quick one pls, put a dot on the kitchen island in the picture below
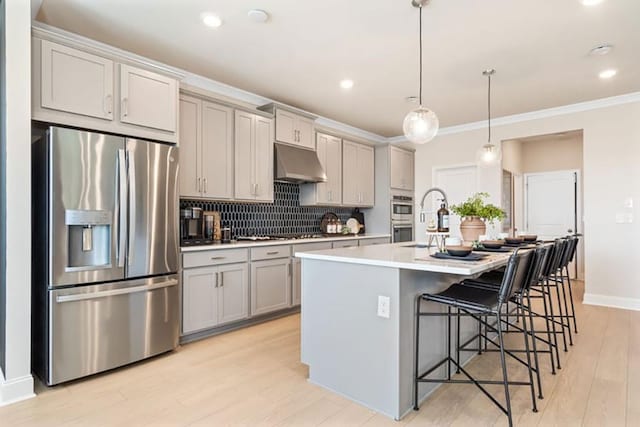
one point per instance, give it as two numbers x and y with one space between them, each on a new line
351 345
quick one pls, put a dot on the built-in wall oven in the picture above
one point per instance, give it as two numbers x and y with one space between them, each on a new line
401 218
401 231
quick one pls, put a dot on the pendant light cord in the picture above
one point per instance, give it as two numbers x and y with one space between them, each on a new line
489 107
420 56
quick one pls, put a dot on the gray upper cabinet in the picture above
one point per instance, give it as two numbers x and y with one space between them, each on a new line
358 185
206 149
294 129
76 82
85 87
401 168
253 157
329 150
148 99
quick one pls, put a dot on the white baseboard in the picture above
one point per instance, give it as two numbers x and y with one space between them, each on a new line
15 390
615 302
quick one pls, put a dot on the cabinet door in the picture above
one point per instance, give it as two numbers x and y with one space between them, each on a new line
333 168
296 287
200 299
76 82
270 285
190 147
233 293
322 188
366 175
217 151
396 160
263 157
351 243
409 170
244 164
350 181
304 126
285 127
147 99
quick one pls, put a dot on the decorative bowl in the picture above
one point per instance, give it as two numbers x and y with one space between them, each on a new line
458 250
529 237
513 240
492 244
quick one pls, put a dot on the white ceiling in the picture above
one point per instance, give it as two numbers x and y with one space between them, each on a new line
539 48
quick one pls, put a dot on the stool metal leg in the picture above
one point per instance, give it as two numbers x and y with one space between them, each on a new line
416 353
548 325
553 323
573 310
458 341
449 343
525 334
566 308
535 348
505 378
561 315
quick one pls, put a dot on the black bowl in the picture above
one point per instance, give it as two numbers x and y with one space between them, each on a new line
513 240
492 244
529 237
459 250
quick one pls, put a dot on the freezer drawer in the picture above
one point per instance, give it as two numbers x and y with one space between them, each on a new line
96 328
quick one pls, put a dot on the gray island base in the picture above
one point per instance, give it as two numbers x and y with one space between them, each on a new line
351 349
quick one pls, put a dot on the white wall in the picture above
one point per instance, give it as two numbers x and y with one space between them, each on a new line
611 154
16 383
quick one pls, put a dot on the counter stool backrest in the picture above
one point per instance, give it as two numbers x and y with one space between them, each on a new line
516 273
555 258
571 250
541 258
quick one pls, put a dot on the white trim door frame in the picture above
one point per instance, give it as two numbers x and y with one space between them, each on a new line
577 269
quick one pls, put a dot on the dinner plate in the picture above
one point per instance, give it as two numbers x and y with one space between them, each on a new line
354 225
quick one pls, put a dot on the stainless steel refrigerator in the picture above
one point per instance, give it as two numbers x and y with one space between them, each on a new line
105 251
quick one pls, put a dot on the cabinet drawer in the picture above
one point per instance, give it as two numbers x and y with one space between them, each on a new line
215 257
307 247
270 252
376 241
351 243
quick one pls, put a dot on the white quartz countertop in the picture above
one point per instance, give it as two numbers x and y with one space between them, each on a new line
406 256
255 244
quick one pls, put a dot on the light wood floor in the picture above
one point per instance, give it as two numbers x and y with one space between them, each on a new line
254 377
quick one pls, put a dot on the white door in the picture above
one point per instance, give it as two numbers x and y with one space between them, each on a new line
459 183
551 205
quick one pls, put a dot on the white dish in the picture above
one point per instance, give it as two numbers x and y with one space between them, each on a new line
354 225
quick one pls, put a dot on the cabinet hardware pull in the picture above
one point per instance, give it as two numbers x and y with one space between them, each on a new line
256 191
221 278
273 253
213 258
108 100
199 185
205 184
290 272
217 279
125 107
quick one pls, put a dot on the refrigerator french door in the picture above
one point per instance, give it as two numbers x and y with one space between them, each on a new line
105 265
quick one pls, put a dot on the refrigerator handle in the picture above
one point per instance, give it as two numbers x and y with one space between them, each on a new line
132 210
121 206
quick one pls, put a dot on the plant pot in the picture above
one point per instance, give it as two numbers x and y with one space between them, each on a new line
471 228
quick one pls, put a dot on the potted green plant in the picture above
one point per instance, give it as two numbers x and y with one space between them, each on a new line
474 213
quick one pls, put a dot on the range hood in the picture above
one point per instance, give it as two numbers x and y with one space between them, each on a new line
297 165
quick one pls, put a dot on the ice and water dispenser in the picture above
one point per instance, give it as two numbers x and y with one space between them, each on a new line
89 234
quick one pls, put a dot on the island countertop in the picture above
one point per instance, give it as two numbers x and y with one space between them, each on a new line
407 256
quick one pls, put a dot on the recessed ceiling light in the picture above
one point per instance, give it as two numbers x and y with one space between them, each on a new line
601 50
258 15
211 20
412 99
346 84
591 2
607 74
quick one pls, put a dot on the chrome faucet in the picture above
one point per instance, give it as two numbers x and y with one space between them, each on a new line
429 191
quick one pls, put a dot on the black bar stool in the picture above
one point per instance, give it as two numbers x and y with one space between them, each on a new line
477 302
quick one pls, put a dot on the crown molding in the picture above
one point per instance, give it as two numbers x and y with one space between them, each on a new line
546 113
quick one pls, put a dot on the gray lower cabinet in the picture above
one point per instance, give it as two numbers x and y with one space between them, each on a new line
213 296
296 288
374 241
270 285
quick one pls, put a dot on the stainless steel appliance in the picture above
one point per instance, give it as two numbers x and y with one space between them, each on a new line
192 230
401 231
105 251
401 208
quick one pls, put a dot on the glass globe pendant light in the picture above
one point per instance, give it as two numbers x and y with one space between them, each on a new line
420 125
489 154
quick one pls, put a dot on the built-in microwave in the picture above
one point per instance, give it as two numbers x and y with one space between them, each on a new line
401 208
401 231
